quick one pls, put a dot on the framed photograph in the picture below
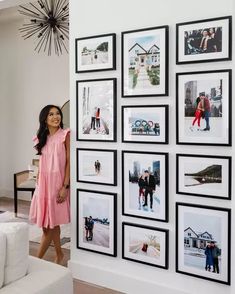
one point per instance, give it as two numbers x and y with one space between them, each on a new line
145 185
203 108
146 245
145 62
97 166
204 40
95 53
97 221
203 242
203 175
96 110
145 124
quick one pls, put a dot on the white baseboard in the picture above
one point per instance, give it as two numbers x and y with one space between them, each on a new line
117 281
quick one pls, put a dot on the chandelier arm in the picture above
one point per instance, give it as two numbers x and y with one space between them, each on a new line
55 45
41 41
59 42
52 7
63 33
62 41
27 29
46 5
64 15
57 6
31 33
41 11
31 15
65 29
63 5
49 47
42 5
47 39
60 5
33 12
28 25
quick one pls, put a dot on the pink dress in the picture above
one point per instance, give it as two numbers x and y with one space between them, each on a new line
44 210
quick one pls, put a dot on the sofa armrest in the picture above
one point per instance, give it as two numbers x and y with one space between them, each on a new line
43 277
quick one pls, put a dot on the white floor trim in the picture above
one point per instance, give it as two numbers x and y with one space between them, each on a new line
116 281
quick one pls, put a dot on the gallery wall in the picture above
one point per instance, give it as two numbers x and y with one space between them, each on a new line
115 17
28 81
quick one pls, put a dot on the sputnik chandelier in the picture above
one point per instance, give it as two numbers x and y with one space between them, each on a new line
49 23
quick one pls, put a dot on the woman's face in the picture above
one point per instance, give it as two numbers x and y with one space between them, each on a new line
53 118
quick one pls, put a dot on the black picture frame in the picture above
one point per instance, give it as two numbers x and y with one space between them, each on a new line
208 138
105 135
186 264
164 263
81 242
192 38
161 32
110 39
223 172
111 162
162 120
136 162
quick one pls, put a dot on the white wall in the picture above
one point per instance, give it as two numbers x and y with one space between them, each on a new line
105 16
28 81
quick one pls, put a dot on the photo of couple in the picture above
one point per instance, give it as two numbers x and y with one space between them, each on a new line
201 250
147 186
96 221
205 40
96 166
203 241
203 113
144 184
206 108
96 107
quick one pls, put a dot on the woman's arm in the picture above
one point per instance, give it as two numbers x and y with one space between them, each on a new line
63 191
67 167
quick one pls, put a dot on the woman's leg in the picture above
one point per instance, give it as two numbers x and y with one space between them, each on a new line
45 242
56 240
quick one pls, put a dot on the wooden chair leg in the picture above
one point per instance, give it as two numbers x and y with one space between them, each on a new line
15 197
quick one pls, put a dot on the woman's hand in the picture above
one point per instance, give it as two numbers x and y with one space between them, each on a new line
62 195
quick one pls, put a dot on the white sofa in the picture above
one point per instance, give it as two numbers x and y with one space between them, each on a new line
24 274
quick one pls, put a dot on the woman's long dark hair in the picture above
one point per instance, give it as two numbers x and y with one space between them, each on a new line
43 131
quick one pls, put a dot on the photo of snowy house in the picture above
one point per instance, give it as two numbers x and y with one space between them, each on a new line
194 240
142 57
145 62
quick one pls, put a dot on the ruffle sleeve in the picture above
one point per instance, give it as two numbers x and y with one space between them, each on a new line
35 140
65 133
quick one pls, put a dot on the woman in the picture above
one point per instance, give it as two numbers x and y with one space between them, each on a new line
198 114
50 205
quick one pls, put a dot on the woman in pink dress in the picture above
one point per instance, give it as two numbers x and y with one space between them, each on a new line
50 205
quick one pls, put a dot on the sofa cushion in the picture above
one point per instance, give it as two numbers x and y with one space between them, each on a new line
2 256
17 250
43 278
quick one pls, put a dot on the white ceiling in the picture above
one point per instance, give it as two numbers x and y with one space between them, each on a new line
11 3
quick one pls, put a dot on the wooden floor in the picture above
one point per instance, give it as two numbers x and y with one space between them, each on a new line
80 287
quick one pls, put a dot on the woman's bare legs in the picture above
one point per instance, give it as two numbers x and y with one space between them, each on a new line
45 242
56 240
